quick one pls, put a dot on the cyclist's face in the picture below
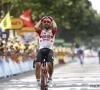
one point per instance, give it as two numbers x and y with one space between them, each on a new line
47 23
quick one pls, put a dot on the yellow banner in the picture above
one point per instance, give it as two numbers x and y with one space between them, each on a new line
6 22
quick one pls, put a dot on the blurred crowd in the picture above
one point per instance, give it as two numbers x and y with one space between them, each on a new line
19 49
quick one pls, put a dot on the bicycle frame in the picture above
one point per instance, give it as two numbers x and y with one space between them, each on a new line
44 76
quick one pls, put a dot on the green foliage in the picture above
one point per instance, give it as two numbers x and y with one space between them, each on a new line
75 18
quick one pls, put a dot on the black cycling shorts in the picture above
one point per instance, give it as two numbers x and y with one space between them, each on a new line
45 53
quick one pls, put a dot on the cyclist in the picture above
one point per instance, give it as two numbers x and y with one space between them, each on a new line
80 53
99 56
46 41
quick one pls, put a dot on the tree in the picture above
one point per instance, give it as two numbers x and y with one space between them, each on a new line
76 19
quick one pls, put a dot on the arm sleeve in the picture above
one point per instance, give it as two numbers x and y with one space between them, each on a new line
54 31
39 31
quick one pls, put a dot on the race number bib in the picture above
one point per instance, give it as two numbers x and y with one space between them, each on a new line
4 35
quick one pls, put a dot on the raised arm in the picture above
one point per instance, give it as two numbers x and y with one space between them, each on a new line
38 24
53 23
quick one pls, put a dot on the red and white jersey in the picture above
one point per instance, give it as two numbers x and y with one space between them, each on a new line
46 38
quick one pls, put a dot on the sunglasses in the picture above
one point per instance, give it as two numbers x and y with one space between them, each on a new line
47 21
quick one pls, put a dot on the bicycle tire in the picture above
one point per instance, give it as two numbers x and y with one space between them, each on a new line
44 81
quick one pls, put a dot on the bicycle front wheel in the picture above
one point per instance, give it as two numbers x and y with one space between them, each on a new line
44 81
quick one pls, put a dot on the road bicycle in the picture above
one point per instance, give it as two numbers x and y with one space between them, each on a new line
44 75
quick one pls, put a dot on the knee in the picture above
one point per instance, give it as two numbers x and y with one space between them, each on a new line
38 64
50 65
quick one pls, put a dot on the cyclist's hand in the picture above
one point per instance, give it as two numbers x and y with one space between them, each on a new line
42 19
51 18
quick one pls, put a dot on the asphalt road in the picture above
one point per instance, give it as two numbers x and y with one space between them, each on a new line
70 76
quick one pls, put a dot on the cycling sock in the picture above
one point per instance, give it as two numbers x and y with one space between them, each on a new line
38 81
50 77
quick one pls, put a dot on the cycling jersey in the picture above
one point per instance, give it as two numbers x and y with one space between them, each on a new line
46 38
80 52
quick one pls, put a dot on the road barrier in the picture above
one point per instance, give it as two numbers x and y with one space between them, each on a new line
10 68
